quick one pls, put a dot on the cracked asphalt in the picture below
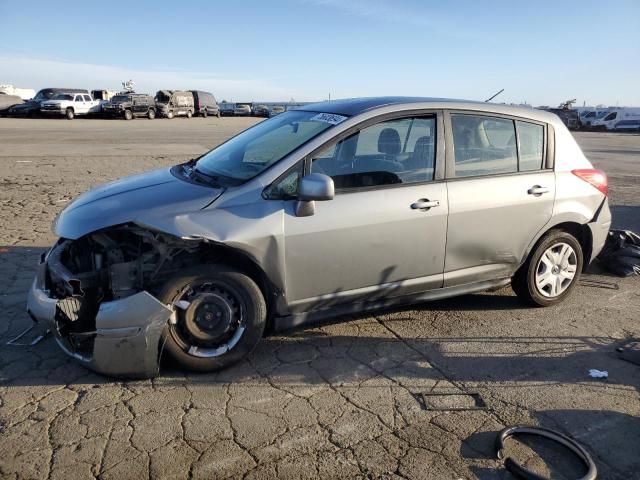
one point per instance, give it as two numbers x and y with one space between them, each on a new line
342 400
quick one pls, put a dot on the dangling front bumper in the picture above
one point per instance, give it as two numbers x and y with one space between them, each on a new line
127 335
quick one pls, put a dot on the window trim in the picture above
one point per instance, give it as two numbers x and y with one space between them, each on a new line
439 167
548 144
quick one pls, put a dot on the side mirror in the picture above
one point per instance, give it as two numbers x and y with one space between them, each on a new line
315 186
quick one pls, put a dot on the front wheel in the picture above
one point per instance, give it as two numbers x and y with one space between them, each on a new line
151 114
69 114
551 271
128 114
189 114
204 113
219 317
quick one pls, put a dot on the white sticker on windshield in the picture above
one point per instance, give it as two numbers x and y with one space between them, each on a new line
331 118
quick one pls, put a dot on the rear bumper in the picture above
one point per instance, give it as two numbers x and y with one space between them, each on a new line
127 331
599 226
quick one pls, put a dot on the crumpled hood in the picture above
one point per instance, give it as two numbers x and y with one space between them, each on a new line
140 199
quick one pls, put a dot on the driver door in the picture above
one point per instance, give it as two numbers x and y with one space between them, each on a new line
384 233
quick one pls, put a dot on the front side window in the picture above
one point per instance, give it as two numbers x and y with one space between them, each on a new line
396 151
256 149
611 116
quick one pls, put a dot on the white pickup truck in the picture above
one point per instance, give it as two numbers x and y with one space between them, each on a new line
70 105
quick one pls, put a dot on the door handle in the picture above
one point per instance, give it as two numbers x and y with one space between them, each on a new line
537 190
425 204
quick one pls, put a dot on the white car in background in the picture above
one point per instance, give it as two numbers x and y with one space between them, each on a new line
70 105
242 110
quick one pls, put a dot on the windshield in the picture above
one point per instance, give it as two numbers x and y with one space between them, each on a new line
119 99
162 98
63 96
254 150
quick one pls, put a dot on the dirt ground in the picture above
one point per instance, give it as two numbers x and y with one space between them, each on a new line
337 401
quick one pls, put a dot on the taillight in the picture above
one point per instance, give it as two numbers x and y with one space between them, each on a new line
595 177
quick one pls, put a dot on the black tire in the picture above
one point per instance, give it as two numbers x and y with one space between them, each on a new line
170 114
189 114
151 114
245 296
128 114
204 113
69 114
524 280
218 114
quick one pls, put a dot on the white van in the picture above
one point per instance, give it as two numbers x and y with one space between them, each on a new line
615 115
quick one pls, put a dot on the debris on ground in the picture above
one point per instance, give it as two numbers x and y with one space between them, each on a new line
593 373
520 472
621 253
630 351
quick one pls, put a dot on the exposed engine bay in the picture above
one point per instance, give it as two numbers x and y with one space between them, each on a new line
106 266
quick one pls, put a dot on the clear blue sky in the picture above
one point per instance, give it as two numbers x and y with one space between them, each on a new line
541 52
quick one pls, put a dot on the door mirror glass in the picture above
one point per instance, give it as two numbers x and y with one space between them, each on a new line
316 186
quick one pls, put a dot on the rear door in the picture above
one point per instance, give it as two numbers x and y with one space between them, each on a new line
501 193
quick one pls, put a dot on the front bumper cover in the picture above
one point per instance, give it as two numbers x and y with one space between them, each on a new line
127 334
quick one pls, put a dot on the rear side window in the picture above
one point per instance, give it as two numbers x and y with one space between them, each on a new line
531 143
87 98
483 145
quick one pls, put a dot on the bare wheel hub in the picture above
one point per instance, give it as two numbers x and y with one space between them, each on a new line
208 319
209 316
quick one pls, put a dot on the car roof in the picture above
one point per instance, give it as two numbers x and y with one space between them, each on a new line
356 106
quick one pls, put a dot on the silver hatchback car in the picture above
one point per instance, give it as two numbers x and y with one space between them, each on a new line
334 208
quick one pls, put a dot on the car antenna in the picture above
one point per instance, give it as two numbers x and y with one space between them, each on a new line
494 96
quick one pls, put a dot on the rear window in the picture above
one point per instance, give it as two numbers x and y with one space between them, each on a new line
490 145
531 144
483 145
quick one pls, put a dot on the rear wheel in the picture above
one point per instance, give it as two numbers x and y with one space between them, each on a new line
128 114
69 114
204 113
551 271
218 114
170 114
219 317
189 114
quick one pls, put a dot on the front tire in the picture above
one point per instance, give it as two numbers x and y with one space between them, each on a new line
151 114
220 316
552 270
128 115
69 114
170 114
189 114
205 113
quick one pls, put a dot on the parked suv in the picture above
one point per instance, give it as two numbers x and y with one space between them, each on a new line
129 105
204 103
334 208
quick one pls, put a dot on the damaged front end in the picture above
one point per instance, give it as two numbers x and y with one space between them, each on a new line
96 294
